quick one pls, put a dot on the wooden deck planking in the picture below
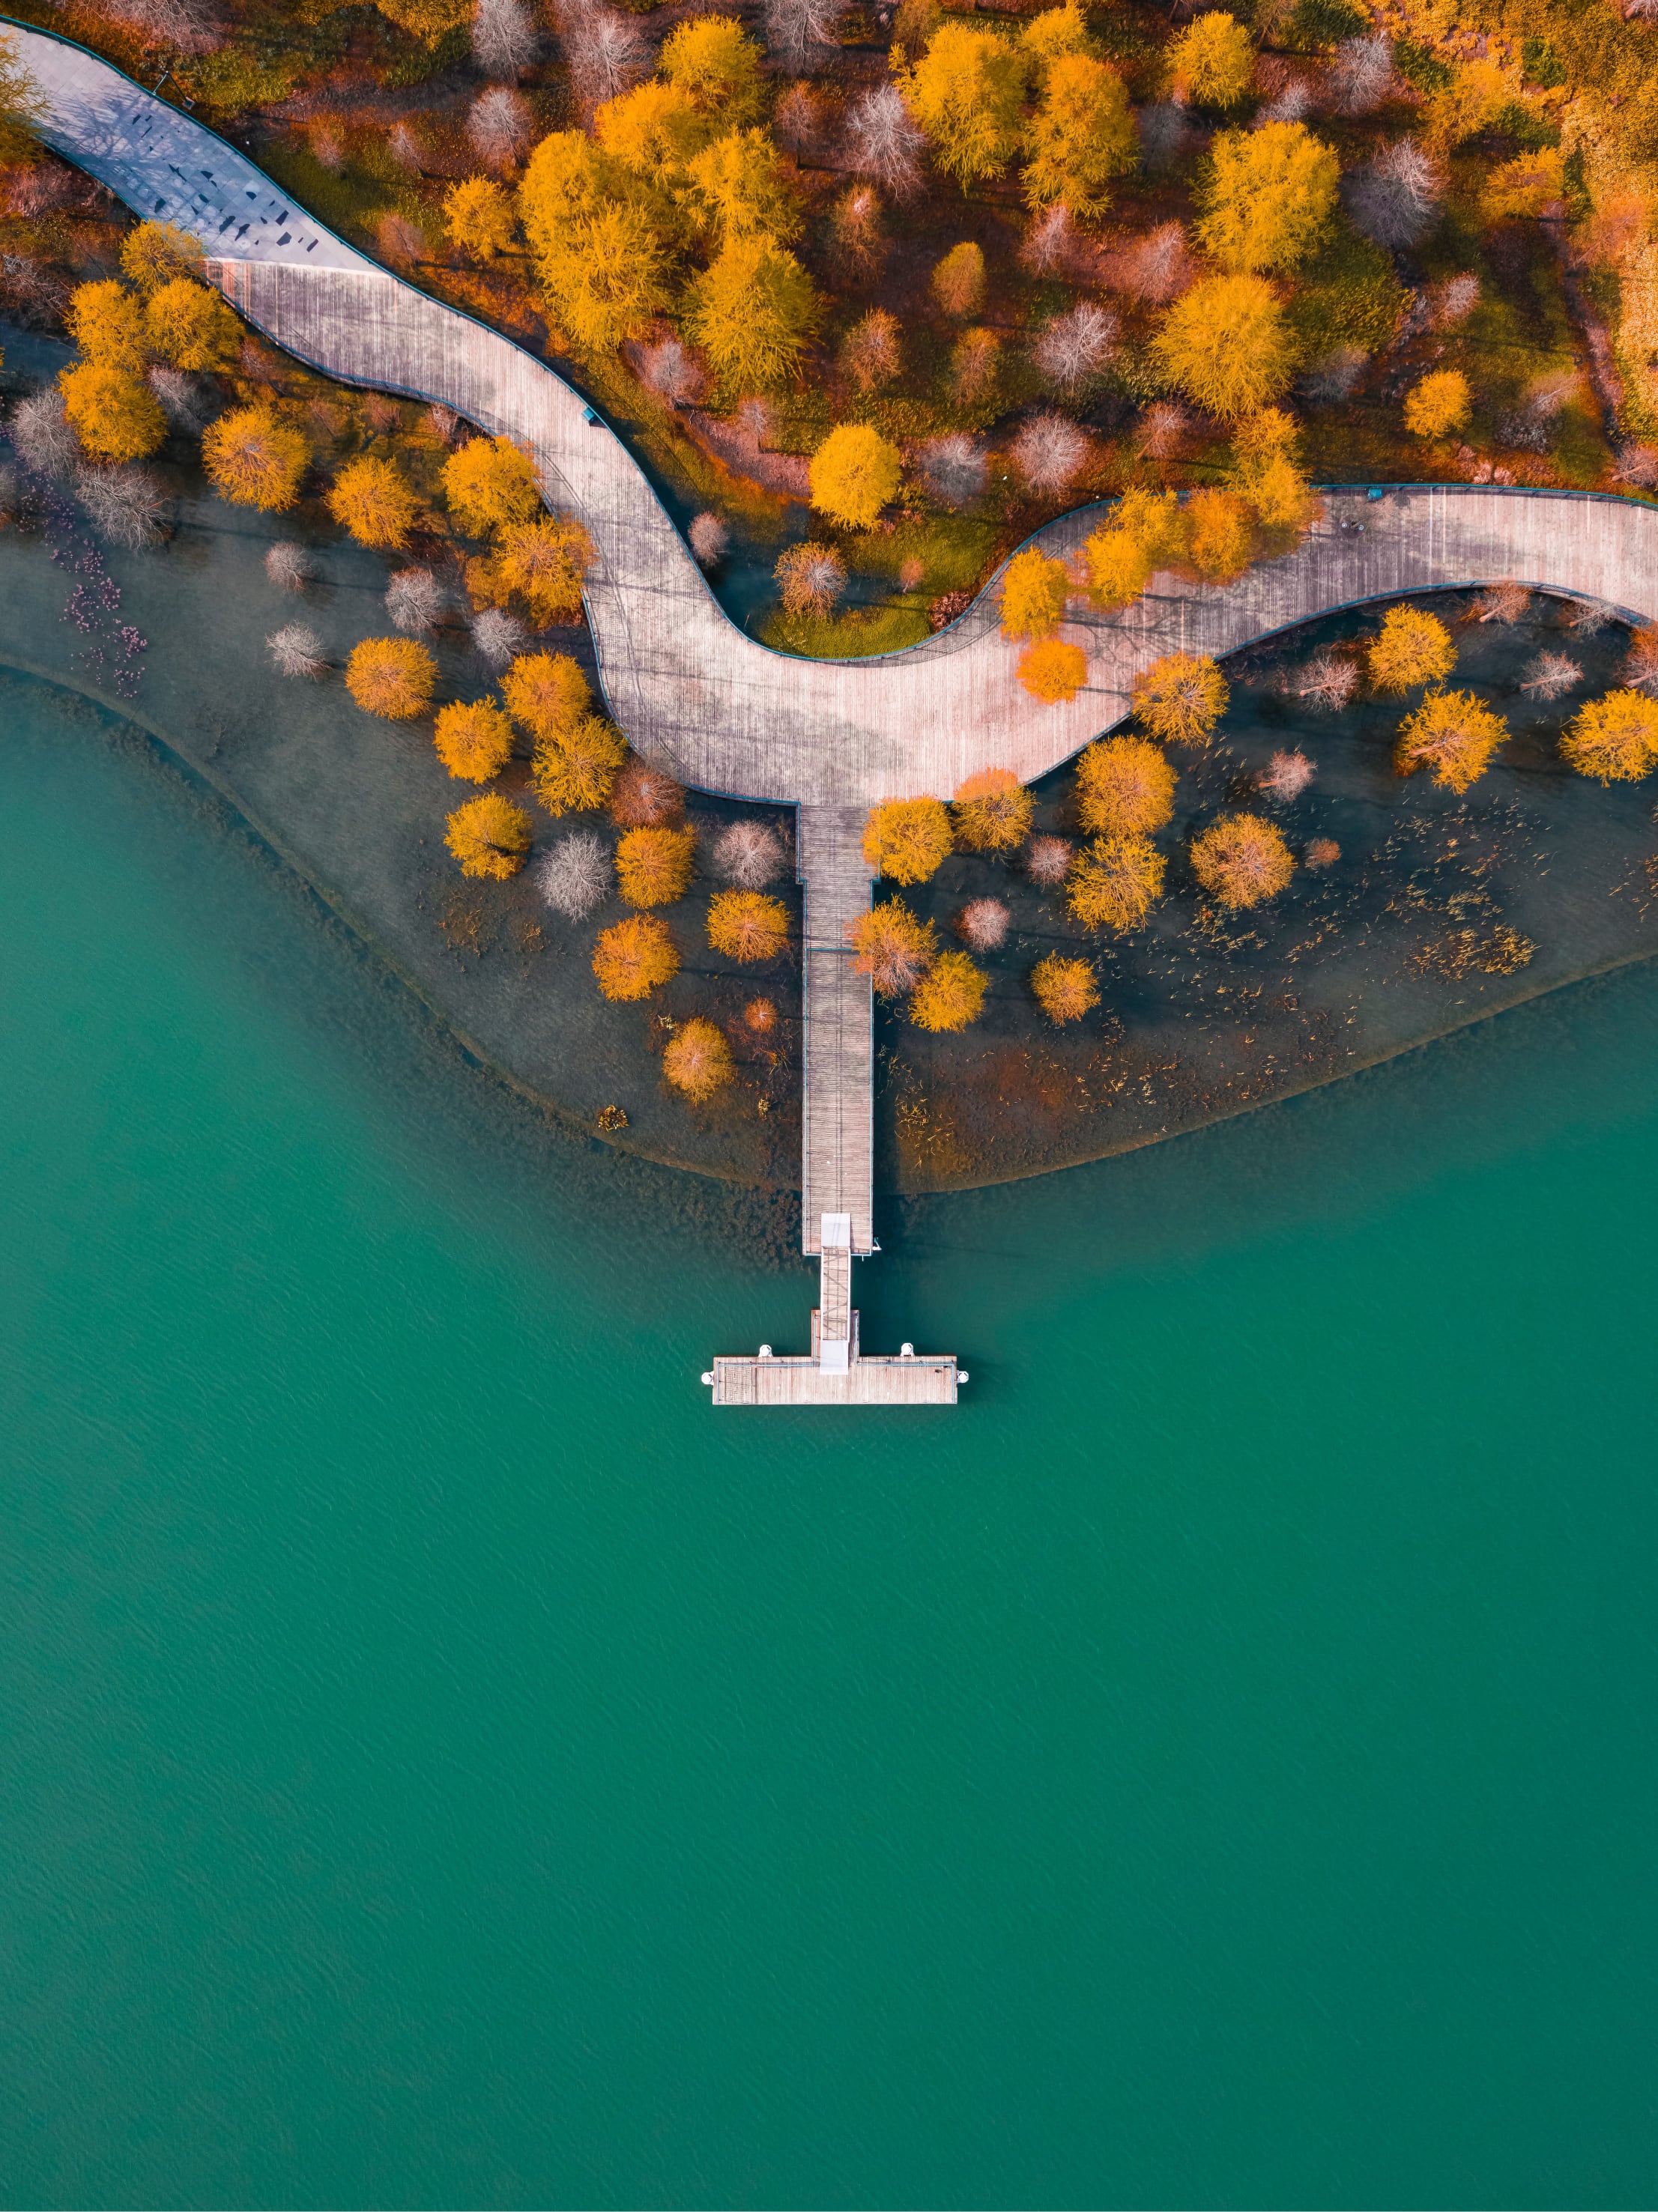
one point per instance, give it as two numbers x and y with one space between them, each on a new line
930 1381
837 1143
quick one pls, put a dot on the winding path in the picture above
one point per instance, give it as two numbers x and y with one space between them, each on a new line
696 694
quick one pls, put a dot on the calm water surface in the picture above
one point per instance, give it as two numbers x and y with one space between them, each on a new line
444 1763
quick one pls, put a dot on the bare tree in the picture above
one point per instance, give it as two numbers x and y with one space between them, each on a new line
673 373
505 40
1329 680
1640 671
1154 269
1047 861
1551 675
123 505
858 238
1288 99
1507 602
606 52
1165 133
1453 299
1637 464
1394 199
869 353
573 875
756 418
1050 243
798 31
750 854
1164 428
399 238
184 397
500 127
709 540
1332 380
442 422
498 638
982 924
1588 618
1075 346
185 27
1322 853
885 142
1286 775
811 578
1050 453
41 434
415 601
296 650
1362 74
289 567
954 469
798 121
404 147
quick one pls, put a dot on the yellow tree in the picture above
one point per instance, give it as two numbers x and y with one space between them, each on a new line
1221 533
1529 186
754 310
1226 343
1116 567
1081 135
1453 736
740 185
544 562
547 692
992 813
1034 590
1213 62
1055 32
635 957
107 324
489 836
709 57
1115 882
254 460
489 482
157 253
1180 697
968 93
949 995
893 947
111 412
477 218
654 130
1124 787
748 925
22 108
574 771
1413 647
853 472
697 1060
957 279
1440 404
606 275
1242 860
1052 670
653 866
390 676
1156 522
1064 988
562 185
1614 739
371 499
907 839
1268 196
474 740
192 326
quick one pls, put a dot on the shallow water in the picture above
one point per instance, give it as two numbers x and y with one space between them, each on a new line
448 1764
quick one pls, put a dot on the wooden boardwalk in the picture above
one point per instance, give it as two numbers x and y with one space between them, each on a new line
694 692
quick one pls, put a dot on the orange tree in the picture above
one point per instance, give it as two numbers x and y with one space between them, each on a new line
992 813
958 280
1116 567
1441 403
1242 860
907 839
605 273
489 482
390 676
547 692
1034 590
107 324
489 836
635 957
1226 344
950 994
254 459
653 866
748 925
371 499
544 562
111 412
1114 882
1615 738
1180 697
191 326
709 58
697 1060
473 741
1065 989
853 472
1125 787
574 770
1053 669
893 947
1412 648
1452 735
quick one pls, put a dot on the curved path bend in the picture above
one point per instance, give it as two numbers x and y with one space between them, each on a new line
693 692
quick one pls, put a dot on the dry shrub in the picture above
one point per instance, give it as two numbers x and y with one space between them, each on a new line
573 876
1164 431
489 836
1180 697
870 355
907 839
644 798
992 813
1322 853
858 238
296 650
390 676
1286 775
949 995
415 601
697 1060
983 924
1507 602
547 692
1124 787
125 505
635 957
749 855
709 540
498 638
1114 882
1048 861
574 771
1242 860
473 740
1615 738
1064 988
1052 670
1073 349
958 281
759 1016
1154 269
954 468
892 946
653 866
973 361
748 925
811 578
1550 675
884 140
1329 680
289 567
1452 735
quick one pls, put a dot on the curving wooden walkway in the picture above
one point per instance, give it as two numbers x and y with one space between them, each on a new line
695 693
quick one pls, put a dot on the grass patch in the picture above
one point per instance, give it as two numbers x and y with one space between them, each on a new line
850 637
953 550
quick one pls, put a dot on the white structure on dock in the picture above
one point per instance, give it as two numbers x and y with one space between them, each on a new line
698 696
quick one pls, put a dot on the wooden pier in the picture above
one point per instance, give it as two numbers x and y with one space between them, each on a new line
903 1378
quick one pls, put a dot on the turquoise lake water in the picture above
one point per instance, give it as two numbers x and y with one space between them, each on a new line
446 1764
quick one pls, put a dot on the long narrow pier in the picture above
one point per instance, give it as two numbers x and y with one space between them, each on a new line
695 694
